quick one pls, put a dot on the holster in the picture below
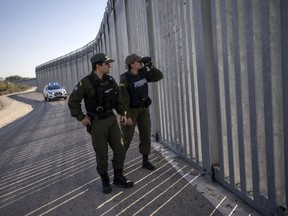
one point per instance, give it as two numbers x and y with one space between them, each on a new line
89 127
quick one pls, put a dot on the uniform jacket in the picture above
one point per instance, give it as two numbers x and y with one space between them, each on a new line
144 76
85 89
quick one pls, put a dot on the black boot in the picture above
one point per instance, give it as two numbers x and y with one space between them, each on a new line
146 164
120 180
106 183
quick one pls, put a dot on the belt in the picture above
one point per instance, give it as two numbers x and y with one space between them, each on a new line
96 116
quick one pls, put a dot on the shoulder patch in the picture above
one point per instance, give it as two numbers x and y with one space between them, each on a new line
80 84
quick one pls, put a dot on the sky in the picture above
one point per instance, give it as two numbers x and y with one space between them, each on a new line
33 32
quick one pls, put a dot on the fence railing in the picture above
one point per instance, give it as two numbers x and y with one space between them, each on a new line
223 102
29 82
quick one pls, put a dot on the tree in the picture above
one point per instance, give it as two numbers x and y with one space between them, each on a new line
14 78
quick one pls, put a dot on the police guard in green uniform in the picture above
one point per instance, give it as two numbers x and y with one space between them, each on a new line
134 94
100 94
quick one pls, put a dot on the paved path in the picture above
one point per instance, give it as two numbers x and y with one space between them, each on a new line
47 167
11 110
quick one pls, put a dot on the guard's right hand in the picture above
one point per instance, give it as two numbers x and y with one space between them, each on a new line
86 121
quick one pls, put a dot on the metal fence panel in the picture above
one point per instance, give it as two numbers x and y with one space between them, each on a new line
179 103
121 34
284 42
28 82
247 56
62 75
137 27
113 46
80 67
86 63
71 82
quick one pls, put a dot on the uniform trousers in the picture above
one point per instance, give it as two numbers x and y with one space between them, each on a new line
141 118
104 132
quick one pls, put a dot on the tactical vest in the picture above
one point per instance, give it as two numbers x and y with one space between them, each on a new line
137 88
105 98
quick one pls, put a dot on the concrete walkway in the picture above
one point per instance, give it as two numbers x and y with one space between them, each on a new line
185 197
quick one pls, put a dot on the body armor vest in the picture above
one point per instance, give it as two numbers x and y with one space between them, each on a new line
137 88
105 97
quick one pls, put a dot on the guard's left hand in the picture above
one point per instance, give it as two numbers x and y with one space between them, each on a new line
123 120
86 121
129 121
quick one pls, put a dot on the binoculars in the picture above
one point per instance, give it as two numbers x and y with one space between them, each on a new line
146 60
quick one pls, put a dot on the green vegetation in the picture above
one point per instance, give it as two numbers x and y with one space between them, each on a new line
15 78
8 88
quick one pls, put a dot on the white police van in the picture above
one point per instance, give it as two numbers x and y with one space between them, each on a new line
53 91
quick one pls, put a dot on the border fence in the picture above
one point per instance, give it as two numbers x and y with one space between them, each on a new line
29 82
223 102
